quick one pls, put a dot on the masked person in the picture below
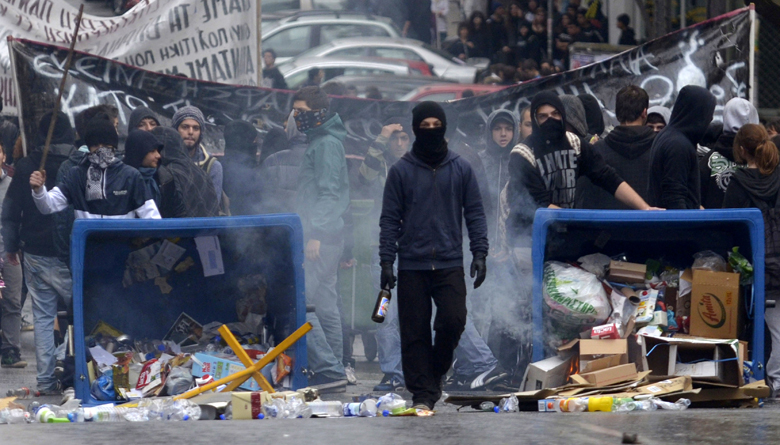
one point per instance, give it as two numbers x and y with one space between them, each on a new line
674 168
142 152
322 201
190 123
427 195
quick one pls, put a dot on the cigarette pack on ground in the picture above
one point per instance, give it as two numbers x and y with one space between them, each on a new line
621 272
247 405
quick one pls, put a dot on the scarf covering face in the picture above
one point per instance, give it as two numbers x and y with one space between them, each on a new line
429 144
148 175
306 120
99 161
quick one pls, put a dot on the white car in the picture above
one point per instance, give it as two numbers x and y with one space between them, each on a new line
302 31
443 64
296 72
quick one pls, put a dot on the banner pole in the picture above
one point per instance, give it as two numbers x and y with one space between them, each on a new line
259 30
65 70
550 29
752 57
18 91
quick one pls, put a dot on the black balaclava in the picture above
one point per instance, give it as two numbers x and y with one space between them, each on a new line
552 130
429 144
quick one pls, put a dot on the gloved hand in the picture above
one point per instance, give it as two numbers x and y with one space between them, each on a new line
387 280
478 268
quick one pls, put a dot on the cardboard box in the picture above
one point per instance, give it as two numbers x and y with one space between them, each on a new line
612 375
662 355
715 306
620 272
247 405
667 386
548 373
219 367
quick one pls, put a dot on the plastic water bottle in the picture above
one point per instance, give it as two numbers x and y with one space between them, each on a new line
679 405
13 416
508 405
175 410
575 405
487 406
363 409
104 413
390 402
327 409
277 409
23 393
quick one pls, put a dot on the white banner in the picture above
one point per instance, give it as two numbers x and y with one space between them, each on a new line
212 40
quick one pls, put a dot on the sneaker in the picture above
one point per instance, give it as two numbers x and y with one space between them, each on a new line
26 325
327 385
351 377
68 395
392 384
422 406
12 359
479 381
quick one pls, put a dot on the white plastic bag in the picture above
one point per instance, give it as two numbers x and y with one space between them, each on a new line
574 297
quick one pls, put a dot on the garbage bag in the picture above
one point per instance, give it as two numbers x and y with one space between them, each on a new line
103 388
709 260
574 298
178 382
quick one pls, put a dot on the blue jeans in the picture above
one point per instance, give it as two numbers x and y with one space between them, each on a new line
325 342
48 281
11 321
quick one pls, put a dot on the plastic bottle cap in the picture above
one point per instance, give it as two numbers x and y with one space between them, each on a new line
385 413
496 409
186 417
71 417
221 417
261 416
161 348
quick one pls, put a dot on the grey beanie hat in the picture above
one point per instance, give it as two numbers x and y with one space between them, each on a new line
188 112
575 114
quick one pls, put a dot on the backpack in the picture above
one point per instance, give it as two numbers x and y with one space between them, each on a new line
224 207
772 247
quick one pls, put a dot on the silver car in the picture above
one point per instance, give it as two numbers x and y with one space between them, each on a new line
444 65
296 71
297 33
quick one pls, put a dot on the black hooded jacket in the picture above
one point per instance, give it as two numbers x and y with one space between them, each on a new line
627 150
674 168
495 161
749 188
716 169
593 115
548 167
139 114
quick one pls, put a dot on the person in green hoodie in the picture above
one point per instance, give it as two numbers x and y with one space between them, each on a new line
322 200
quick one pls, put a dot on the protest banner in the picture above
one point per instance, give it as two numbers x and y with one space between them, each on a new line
204 39
714 54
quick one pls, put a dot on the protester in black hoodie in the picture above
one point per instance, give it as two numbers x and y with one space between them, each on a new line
717 166
240 183
427 195
142 118
758 185
142 152
548 164
674 167
626 149
593 115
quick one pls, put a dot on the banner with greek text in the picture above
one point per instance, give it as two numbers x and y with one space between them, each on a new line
212 40
713 54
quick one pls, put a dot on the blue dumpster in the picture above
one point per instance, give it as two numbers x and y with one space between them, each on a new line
271 245
675 235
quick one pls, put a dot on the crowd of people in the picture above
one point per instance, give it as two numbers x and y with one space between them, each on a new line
557 153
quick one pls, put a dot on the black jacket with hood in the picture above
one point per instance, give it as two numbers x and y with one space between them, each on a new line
139 114
716 169
547 165
674 168
495 161
627 150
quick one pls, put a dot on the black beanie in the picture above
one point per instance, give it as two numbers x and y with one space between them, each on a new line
63 133
100 130
138 144
424 110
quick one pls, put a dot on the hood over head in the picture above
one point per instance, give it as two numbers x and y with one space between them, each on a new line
139 143
575 114
240 138
429 146
502 115
763 187
63 132
538 135
692 112
630 141
139 114
737 113
593 115
661 111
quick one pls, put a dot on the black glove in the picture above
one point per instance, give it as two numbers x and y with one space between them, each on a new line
388 277
478 268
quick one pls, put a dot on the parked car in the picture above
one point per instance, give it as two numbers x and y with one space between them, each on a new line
442 63
442 93
391 87
302 5
299 32
296 72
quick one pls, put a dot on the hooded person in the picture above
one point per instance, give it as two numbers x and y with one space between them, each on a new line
546 167
674 168
626 149
142 152
241 184
193 193
428 194
25 228
717 167
143 118
593 115
190 123
279 172
658 117
502 132
575 116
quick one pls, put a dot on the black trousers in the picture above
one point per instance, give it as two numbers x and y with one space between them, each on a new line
425 362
